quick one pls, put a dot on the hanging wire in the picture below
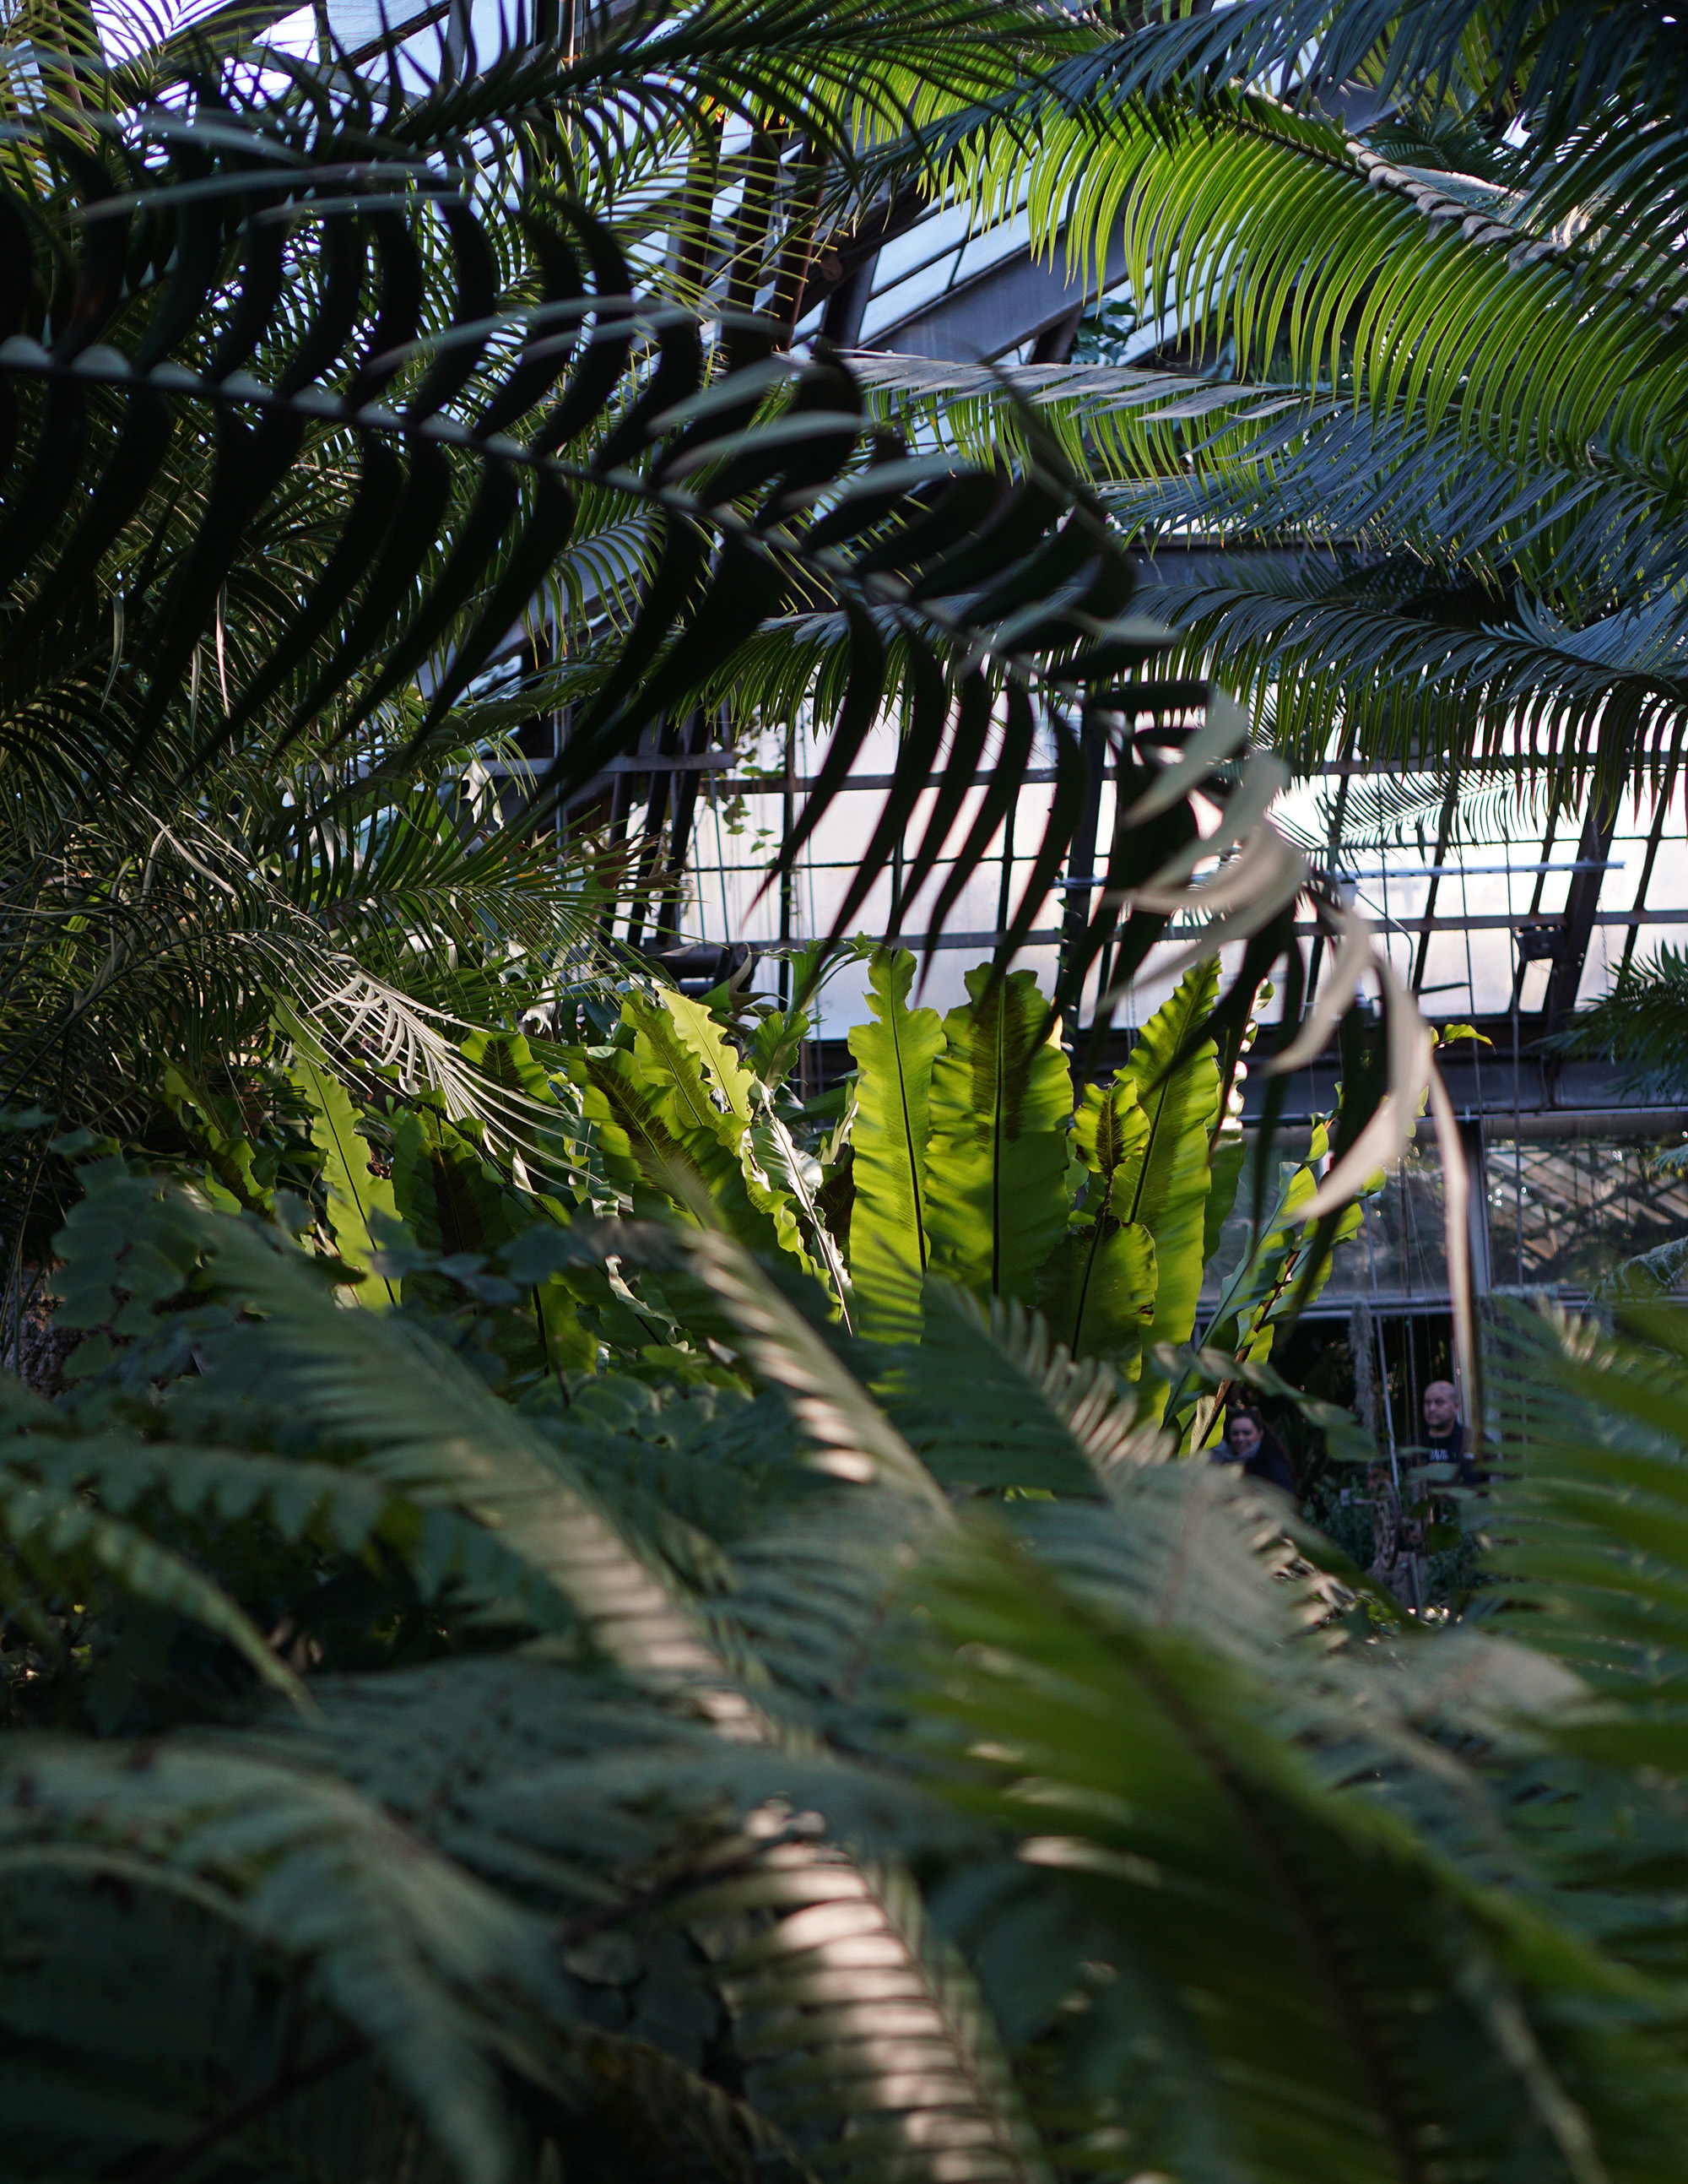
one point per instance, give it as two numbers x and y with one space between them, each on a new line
1518 997
1479 1203
720 867
1383 1356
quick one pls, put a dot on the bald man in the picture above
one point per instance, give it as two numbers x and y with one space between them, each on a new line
1445 1433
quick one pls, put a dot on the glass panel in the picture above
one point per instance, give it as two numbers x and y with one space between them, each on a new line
1567 1214
1398 1256
1401 1252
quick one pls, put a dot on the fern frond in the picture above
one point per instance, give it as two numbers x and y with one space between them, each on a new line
990 1397
1321 1967
851 1434
71 1546
850 2009
1587 1517
404 1950
422 1423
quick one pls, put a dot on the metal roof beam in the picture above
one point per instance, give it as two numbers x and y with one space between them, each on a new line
1655 837
1582 905
1015 301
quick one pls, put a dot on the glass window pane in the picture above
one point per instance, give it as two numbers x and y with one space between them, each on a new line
1566 1215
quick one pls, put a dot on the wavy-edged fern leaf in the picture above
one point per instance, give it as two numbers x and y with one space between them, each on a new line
1164 1185
889 1245
359 1199
996 1159
1098 1286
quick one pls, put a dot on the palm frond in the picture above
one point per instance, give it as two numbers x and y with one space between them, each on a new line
1557 69
1275 227
446 532
1404 574
1641 1023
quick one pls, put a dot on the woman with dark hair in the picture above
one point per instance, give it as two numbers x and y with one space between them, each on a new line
1251 1442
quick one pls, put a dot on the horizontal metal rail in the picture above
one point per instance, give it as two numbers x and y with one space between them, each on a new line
1460 872
1500 921
1045 936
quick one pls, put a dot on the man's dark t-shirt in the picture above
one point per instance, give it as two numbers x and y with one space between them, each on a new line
1451 1450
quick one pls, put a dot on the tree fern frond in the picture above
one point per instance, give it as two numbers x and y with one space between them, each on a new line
398 1399
729 1465
820 1599
848 2006
70 1545
440 1981
405 1950
1181 1546
1588 1518
991 1398
850 1435
1199 1842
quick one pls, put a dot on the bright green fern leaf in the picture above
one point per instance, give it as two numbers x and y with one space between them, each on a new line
1166 1187
889 1243
359 1199
997 1163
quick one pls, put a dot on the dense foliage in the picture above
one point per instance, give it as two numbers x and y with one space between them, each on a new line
574 1614
712 1767
314 389
356 428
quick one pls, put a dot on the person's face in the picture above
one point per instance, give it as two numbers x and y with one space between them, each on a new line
1243 1435
1440 1410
